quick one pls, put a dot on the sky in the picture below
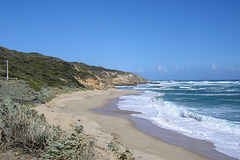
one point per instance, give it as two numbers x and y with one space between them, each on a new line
156 39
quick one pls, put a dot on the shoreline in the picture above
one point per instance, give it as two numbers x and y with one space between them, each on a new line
78 108
201 147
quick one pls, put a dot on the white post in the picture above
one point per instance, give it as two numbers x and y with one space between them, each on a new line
7 69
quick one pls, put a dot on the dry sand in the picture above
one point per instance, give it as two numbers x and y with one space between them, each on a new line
72 109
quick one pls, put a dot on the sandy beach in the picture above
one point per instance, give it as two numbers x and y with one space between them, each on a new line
68 110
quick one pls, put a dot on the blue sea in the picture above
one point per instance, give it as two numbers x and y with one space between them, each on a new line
205 110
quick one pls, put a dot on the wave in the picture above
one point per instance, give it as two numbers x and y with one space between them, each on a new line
188 88
185 87
222 133
200 83
191 115
216 94
159 89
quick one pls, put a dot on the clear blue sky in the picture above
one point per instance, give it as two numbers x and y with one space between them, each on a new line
170 39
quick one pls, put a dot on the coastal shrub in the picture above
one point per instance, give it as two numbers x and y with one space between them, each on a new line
73 146
30 91
23 129
22 90
34 85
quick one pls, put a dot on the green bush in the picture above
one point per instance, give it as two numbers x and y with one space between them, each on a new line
23 90
23 129
34 85
74 146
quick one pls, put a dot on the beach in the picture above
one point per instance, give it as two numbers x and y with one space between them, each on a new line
68 110
79 108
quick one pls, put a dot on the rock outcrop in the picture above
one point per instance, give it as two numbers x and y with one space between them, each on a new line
107 78
91 83
123 79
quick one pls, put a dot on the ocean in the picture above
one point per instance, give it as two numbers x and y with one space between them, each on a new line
205 110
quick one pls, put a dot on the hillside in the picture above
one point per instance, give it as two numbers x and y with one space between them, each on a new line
42 71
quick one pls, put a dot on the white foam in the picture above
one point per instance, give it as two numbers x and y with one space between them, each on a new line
197 83
224 134
184 87
195 94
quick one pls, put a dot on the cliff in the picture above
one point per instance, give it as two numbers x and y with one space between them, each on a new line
107 78
42 71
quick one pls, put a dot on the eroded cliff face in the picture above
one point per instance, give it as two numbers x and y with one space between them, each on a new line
123 79
104 79
91 83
